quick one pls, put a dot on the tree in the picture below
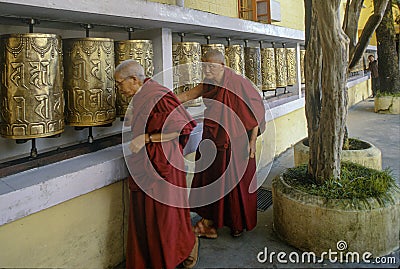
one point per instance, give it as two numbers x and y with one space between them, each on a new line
389 74
331 50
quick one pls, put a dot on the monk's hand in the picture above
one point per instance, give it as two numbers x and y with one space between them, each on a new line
252 149
137 143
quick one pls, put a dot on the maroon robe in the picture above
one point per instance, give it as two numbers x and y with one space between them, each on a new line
159 235
232 166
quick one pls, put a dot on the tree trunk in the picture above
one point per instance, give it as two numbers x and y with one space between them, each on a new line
326 95
350 23
370 26
388 62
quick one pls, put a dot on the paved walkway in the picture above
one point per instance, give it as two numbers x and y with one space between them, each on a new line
227 252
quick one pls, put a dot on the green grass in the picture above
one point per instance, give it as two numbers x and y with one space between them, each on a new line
381 94
356 182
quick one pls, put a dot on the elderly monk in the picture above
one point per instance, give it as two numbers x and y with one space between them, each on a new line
159 235
233 118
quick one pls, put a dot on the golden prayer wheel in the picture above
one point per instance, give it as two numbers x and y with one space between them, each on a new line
252 65
234 56
291 66
302 55
140 51
281 67
31 94
207 47
268 69
186 58
89 81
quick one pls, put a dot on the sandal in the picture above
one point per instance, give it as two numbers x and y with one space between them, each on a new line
202 230
193 258
236 233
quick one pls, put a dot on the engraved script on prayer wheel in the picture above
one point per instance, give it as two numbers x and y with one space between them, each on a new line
302 55
186 57
268 69
31 94
281 67
252 65
89 81
140 51
291 66
234 56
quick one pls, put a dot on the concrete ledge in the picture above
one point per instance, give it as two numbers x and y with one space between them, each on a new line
370 157
387 104
40 188
310 223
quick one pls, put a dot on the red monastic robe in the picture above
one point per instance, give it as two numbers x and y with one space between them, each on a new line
233 168
159 235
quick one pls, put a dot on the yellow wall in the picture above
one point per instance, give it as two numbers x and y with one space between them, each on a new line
359 92
367 12
281 134
227 8
292 14
85 232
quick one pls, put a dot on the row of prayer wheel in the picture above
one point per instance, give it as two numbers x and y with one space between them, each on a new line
267 68
48 82
42 73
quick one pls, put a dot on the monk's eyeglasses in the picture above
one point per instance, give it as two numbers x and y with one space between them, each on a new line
211 66
119 83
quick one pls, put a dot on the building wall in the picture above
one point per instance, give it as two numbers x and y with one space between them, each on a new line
365 14
292 14
227 8
359 92
85 232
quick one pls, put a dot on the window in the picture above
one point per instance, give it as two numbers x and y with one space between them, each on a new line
255 10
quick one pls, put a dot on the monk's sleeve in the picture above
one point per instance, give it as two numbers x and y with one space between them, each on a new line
250 108
170 116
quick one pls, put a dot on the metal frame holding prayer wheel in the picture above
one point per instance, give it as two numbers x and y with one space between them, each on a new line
186 58
252 65
31 94
302 55
142 52
234 55
89 81
281 67
268 69
291 66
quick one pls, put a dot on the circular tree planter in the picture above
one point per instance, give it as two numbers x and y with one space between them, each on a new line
311 223
387 104
369 155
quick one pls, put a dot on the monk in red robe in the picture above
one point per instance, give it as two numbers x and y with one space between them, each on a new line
160 233
223 191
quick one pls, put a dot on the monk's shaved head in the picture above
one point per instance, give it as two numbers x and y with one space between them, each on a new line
214 56
130 68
